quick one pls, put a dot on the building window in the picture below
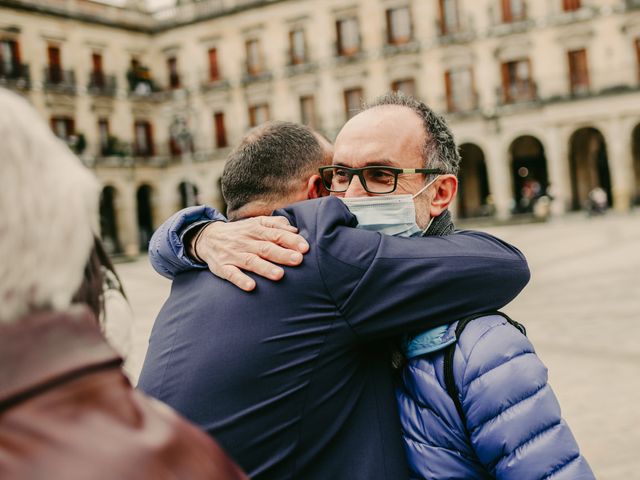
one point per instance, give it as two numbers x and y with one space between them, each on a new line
578 71
103 135
258 114
352 101
254 61
513 10
174 76
143 138
174 146
517 83
571 5
63 127
54 74
638 56
97 75
460 89
449 16
308 111
398 25
9 59
348 36
220 130
297 47
139 78
214 72
407 86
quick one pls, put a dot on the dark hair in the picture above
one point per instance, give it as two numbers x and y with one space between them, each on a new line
91 290
268 163
439 150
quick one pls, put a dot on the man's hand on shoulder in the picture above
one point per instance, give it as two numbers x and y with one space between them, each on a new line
254 245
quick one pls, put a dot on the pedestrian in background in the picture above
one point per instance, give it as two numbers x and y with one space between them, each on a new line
597 202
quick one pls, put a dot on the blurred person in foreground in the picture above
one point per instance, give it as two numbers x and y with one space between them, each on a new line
491 413
66 410
102 291
294 378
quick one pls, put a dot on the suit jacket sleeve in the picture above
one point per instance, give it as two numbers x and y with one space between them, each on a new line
166 250
384 285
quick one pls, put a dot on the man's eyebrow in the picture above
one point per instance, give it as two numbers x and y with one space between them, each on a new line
382 162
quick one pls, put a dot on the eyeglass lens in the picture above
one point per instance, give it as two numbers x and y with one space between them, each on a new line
374 180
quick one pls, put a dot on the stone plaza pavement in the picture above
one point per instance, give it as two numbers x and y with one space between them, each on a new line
582 312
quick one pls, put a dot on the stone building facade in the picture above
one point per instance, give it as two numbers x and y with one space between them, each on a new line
542 95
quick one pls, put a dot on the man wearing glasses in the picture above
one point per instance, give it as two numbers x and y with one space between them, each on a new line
294 378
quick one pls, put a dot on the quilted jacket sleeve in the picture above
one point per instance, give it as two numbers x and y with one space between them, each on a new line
513 416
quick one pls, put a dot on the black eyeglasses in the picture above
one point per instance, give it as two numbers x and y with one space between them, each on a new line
374 179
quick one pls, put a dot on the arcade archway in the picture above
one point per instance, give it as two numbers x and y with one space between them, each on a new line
144 197
109 220
528 172
635 150
588 166
188 194
473 183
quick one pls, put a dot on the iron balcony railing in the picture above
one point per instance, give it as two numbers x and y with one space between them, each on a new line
58 80
101 84
517 92
15 75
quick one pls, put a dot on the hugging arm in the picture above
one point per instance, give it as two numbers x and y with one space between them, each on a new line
413 284
384 286
255 245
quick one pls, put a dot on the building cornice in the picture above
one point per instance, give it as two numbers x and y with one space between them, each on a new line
203 11
87 12
122 18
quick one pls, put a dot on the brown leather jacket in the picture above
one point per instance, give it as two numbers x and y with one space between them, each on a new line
67 412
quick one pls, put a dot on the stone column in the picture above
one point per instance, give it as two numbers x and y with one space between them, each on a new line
166 197
499 177
127 219
620 160
557 156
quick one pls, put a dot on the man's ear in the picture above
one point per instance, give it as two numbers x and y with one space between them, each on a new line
446 187
315 188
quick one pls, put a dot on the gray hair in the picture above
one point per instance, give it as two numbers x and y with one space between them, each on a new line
439 150
270 160
48 202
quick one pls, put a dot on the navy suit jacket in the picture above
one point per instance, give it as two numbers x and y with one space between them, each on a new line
294 378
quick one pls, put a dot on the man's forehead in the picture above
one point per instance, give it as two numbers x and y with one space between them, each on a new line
388 135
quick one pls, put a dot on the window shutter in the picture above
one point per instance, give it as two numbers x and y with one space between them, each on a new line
214 74
221 134
506 82
448 90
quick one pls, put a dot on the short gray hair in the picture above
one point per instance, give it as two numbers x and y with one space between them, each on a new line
439 150
48 202
268 163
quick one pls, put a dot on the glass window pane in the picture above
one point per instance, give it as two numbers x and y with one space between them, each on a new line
349 34
450 8
400 24
298 46
461 88
6 55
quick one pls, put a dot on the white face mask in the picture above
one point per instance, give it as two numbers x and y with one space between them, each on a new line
389 214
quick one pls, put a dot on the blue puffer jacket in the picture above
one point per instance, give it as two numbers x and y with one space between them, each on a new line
513 420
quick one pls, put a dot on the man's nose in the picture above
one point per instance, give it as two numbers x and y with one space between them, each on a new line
356 189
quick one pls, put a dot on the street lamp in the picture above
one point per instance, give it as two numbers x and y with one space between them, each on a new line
184 140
